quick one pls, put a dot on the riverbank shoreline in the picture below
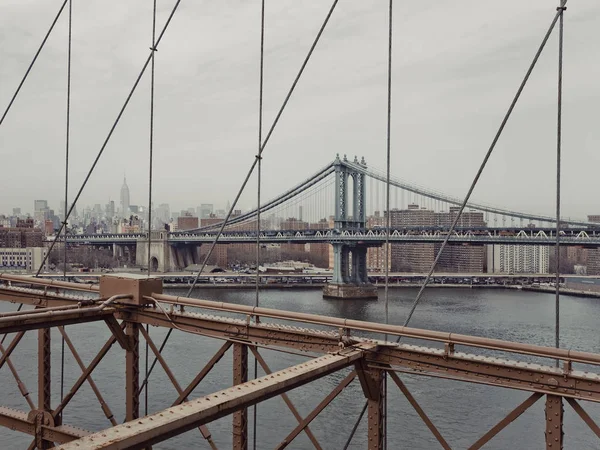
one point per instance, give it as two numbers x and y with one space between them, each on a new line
249 286
292 286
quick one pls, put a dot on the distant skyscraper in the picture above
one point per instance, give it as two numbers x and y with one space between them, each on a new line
125 198
40 205
205 210
110 209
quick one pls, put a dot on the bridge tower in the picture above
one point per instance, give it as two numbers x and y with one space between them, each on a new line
350 278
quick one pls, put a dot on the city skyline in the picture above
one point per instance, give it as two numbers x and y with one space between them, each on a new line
207 97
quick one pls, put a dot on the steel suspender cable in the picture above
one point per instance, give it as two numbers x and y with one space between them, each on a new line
387 200
151 159
112 129
561 9
67 142
12 100
258 186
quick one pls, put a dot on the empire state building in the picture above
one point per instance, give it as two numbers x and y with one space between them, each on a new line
125 198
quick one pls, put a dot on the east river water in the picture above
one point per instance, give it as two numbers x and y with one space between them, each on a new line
463 412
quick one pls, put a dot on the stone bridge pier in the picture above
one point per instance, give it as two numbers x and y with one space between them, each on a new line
164 256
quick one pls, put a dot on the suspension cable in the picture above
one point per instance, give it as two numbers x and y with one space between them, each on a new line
110 133
12 100
561 9
151 159
387 200
67 142
258 187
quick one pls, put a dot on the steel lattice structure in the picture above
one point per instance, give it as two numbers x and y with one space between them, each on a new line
126 303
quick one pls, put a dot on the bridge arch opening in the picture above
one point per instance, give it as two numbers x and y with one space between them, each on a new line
153 264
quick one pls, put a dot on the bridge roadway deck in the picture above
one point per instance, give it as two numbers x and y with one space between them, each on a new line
475 236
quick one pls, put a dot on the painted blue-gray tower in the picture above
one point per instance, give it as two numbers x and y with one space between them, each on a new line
350 278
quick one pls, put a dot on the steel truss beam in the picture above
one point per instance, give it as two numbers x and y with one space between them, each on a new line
287 400
240 417
175 420
461 366
413 402
203 429
492 371
315 412
105 408
24 323
510 417
90 368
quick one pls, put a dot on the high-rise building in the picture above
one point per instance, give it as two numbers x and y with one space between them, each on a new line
110 209
187 222
40 205
125 199
419 257
518 259
411 257
205 210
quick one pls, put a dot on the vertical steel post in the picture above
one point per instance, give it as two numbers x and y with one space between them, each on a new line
376 411
240 418
132 373
554 422
44 383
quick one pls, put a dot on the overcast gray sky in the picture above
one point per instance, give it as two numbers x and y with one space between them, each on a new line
456 67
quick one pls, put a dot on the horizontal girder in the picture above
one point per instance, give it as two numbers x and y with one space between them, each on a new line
374 237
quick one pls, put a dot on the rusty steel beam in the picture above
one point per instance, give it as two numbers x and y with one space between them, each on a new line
49 283
584 416
492 371
510 417
13 344
132 372
105 408
240 417
23 422
462 366
206 434
205 370
6 358
22 388
83 377
554 422
226 328
176 420
413 402
287 400
37 297
117 331
315 412
53 319
395 330
44 387
44 372
375 408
